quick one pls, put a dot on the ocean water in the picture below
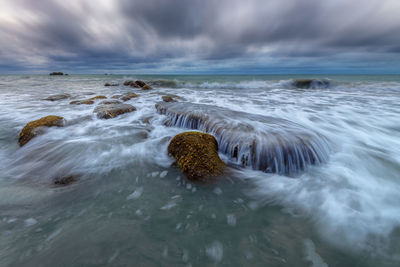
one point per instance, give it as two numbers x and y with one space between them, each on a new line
334 202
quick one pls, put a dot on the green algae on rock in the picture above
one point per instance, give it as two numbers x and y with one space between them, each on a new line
196 154
31 129
98 97
82 102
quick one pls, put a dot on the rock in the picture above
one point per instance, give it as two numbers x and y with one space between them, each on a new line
109 102
311 83
116 96
128 96
196 154
32 128
135 85
82 102
111 84
98 97
140 83
128 82
57 97
66 180
56 73
146 120
146 87
167 98
109 111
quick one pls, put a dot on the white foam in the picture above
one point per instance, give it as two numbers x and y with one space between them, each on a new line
136 194
215 251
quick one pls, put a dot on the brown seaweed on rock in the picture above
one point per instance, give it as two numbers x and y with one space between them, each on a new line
196 154
31 129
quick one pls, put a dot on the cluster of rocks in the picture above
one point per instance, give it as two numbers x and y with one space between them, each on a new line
196 153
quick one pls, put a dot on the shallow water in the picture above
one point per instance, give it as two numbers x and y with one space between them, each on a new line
131 206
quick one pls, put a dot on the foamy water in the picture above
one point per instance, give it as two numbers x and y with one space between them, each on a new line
131 203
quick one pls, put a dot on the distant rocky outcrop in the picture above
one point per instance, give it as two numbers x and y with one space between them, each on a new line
111 84
32 129
196 154
311 83
56 73
108 111
57 97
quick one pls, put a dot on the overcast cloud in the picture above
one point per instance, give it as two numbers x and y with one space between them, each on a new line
200 36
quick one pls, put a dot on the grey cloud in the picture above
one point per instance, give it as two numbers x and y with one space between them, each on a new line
134 34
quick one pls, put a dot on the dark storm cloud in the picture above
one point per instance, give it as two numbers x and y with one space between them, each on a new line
202 34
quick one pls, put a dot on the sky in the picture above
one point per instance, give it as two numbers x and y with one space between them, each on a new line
200 36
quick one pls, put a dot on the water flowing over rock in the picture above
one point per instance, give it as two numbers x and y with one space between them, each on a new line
108 111
260 142
311 83
32 129
128 96
82 102
196 154
168 98
57 97
98 97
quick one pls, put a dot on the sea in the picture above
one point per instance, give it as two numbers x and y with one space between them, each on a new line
312 177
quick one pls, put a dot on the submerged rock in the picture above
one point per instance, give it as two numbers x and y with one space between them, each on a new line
32 129
98 97
196 154
311 83
168 98
111 84
57 97
65 180
82 102
108 102
108 111
116 96
146 87
128 82
56 73
248 140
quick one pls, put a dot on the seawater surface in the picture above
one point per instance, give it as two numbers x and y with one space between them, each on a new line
132 207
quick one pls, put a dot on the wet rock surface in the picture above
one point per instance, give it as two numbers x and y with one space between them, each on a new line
57 97
108 111
82 102
196 154
32 129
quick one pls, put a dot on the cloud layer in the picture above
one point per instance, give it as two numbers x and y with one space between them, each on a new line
180 36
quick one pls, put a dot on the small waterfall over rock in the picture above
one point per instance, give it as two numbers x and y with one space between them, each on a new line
260 142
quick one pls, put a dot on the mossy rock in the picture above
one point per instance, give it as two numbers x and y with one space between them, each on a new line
146 87
196 154
167 98
110 111
57 97
98 97
82 102
31 129
129 96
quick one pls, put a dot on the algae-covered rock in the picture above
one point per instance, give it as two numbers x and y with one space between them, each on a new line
32 128
82 102
128 96
116 96
196 154
168 98
109 111
98 97
57 97
146 87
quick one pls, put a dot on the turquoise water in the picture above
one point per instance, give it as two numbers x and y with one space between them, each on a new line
132 206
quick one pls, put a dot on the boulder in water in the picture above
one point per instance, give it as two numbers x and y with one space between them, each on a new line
57 97
111 84
109 102
196 154
311 83
116 96
32 128
108 111
168 98
56 73
128 96
98 97
65 180
135 85
128 82
146 87
82 102
140 83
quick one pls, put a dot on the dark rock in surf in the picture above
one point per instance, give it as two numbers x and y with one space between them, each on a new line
57 97
81 102
98 97
135 85
109 102
196 154
116 96
128 82
248 140
111 84
65 180
109 111
129 96
140 83
311 83
56 73
168 98
146 87
34 128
